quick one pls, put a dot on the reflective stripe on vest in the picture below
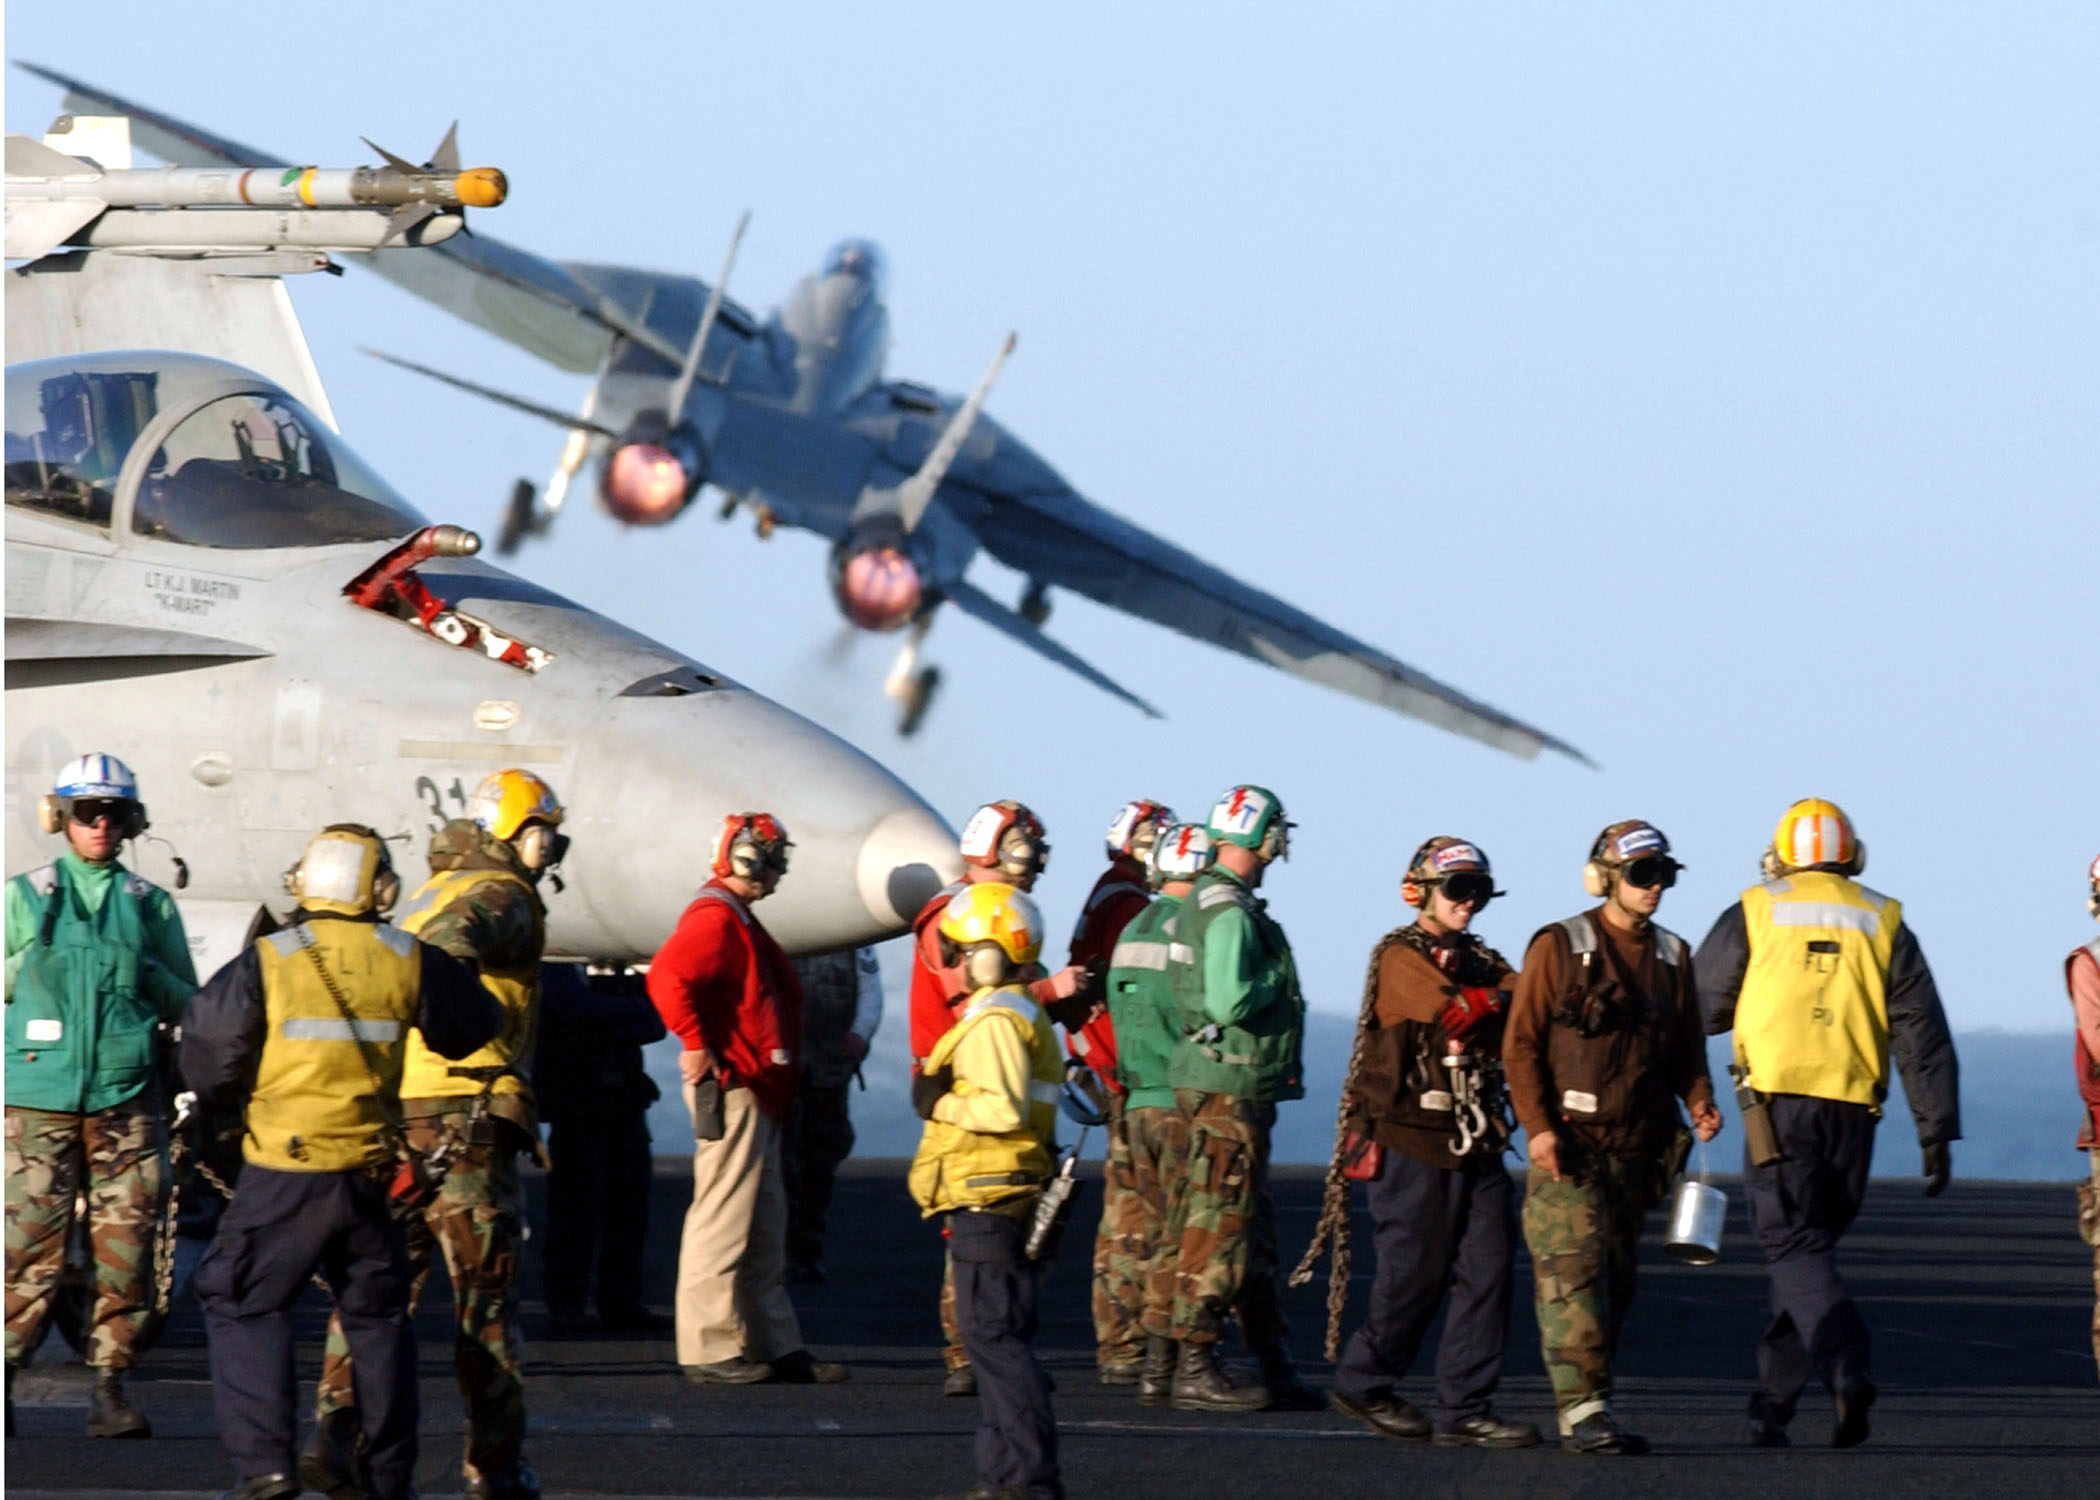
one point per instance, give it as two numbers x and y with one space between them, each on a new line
1139 955
424 1074
313 1108
1582 939
1812 1015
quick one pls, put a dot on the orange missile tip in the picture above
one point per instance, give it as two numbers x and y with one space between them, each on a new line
481 187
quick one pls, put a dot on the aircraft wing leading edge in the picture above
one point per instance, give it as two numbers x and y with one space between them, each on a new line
1066 541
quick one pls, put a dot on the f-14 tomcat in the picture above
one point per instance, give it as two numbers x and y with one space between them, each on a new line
793 416
205 580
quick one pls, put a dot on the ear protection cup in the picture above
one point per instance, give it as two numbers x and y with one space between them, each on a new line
985 966
1857 865
1596 879
50 816
1412 893
386 890
744 860
294 886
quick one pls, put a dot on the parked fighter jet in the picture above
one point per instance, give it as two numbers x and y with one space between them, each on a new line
205 580
791 416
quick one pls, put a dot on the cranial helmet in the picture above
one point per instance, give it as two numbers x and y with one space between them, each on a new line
522 810
91 777
1252 817
995 931
1006 836
1183 852
751 844
1619 846
345 870
1137 827
1814 835
1437 861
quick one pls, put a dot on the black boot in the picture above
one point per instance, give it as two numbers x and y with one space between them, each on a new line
1156 1375
1286 1391
10 1400
328 1462
110 1414
1202 1384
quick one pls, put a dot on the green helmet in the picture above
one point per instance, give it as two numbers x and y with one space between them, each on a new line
1252 817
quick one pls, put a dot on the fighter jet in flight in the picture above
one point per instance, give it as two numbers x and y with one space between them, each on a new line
791 415
205 580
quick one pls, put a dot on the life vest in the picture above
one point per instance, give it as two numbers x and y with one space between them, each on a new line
1258 1058
1812 1017
1116 900
80 1027
964 1169
2088 1065
424 1074
1141 1005
934 988
314 1107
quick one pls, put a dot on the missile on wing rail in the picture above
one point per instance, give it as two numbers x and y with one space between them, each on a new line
56 199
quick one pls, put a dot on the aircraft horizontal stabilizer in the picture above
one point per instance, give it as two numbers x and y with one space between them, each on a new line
976 603
490 393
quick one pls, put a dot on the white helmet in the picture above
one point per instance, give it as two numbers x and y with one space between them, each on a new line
96 775
1183 852
1137 828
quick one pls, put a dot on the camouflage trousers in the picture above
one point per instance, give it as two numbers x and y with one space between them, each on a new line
476 1220
953 1355
1581 1232
1159 1152
1122 1253
115 1157
2089 1230
1224 1226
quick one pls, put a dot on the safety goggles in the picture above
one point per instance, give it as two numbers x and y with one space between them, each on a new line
88 811
1473 888
1651 870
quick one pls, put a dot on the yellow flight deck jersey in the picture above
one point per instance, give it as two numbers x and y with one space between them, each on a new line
516 988
313 1108
1813 1014
988 1144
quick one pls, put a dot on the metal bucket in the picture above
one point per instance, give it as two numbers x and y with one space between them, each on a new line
1696 1217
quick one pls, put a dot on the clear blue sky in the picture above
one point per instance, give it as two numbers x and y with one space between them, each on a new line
1716 388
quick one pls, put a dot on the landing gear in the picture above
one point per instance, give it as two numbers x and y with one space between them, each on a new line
911 686
917 698
520 520
1035 603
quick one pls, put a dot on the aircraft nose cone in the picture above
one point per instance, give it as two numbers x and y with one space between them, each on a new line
905 861
656 779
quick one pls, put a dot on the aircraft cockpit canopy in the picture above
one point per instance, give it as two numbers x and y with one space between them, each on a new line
861 259
236 461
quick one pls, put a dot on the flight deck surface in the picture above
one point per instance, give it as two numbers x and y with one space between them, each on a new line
1979 1301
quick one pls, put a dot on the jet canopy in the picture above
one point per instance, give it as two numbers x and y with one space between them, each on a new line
187 449
860 259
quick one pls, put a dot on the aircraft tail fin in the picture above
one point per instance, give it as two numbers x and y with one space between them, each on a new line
979 605
916 493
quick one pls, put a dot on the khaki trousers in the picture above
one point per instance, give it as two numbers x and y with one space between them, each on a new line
733 1253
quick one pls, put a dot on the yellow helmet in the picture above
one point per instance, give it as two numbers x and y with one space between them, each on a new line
507 800
996 929
1814 833
346 870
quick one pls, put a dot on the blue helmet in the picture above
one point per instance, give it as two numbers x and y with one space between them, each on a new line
96 775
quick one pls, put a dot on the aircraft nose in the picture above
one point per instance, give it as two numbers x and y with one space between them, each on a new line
656 779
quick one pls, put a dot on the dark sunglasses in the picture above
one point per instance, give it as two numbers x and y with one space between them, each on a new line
1651 870
1471 887
88 811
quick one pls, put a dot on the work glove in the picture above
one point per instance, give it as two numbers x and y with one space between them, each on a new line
928 1089
1939 1166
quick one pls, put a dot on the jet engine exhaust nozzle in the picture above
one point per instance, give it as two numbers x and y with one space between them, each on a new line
879 588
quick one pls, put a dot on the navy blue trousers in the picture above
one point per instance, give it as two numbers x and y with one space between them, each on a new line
1800 1207
995 1306
280 1228
1441 1231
